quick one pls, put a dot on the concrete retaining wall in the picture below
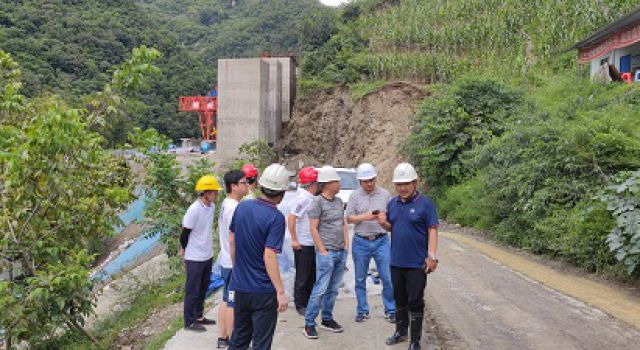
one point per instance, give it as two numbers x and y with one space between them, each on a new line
255 96
242 103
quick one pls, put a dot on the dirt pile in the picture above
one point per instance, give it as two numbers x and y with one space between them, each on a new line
333 128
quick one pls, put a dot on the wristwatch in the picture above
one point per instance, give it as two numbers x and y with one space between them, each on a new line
432 258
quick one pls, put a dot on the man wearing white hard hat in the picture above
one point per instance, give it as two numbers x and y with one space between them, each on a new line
370 240
411 217
256 235
331 239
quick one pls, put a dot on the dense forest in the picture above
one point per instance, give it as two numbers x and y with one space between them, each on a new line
70 47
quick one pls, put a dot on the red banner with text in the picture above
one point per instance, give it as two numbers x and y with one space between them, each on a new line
615 41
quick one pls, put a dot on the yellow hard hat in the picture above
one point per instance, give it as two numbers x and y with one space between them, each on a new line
208 183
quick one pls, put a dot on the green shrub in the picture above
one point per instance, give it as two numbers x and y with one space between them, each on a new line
468 204
341 60
623 200
533 167
459 117
578 235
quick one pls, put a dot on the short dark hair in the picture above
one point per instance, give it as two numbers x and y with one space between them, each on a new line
270 193
232 177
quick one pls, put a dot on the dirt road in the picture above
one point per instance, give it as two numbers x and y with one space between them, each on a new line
481 303
481 297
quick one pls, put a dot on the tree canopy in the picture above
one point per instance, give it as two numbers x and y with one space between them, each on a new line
69 47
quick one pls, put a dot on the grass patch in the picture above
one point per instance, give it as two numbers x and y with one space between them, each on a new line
159 340
149 298
360 90
306 87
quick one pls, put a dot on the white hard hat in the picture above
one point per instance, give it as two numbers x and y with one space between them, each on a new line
327 174
275 177
366 171
404 172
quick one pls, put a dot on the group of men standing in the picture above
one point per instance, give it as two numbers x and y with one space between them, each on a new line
252 234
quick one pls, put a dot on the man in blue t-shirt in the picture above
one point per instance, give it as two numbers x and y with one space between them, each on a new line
413 222
256 234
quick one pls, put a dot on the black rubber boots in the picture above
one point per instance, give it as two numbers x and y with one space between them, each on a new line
402 327
416 330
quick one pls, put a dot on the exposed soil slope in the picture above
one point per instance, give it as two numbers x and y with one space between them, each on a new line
334 129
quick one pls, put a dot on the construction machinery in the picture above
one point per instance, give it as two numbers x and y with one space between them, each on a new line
207 109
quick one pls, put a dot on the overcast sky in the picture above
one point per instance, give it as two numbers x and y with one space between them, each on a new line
333 2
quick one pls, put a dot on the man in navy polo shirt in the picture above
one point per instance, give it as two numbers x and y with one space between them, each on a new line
413 222
256 234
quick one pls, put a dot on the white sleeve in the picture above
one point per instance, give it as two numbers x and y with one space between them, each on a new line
301 207
228 215
190 219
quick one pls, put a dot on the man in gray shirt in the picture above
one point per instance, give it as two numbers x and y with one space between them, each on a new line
331 239
370 240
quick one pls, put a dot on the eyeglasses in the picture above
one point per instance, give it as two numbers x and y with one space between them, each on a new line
251 181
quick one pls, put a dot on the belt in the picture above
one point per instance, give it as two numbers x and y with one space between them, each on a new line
374 237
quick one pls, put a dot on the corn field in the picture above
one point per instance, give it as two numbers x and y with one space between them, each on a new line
431 40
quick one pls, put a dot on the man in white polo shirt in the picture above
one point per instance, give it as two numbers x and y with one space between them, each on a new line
235 184
197 250
301 240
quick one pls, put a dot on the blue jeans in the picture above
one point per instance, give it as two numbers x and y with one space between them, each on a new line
329 271
363 250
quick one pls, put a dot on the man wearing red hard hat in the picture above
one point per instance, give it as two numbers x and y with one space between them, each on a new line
301 240
251 173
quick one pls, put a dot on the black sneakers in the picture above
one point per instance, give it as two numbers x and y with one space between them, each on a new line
205 320
391 317
196 327
396 338
362 317
331 325
223 343
310 332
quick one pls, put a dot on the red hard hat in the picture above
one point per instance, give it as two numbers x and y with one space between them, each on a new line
250 171
308 175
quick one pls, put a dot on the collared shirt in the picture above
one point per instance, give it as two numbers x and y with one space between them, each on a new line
360 202
300 210
331 216
410 222
199 218
257 225
227 209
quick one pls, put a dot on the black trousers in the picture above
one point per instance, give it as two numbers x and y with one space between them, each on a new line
408 288
254 319
195 289
305 261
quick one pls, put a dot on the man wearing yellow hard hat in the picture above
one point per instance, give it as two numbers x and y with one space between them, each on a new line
197 250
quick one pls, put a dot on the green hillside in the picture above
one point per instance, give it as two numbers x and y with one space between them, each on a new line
514 138
69 47
217 29
430 40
